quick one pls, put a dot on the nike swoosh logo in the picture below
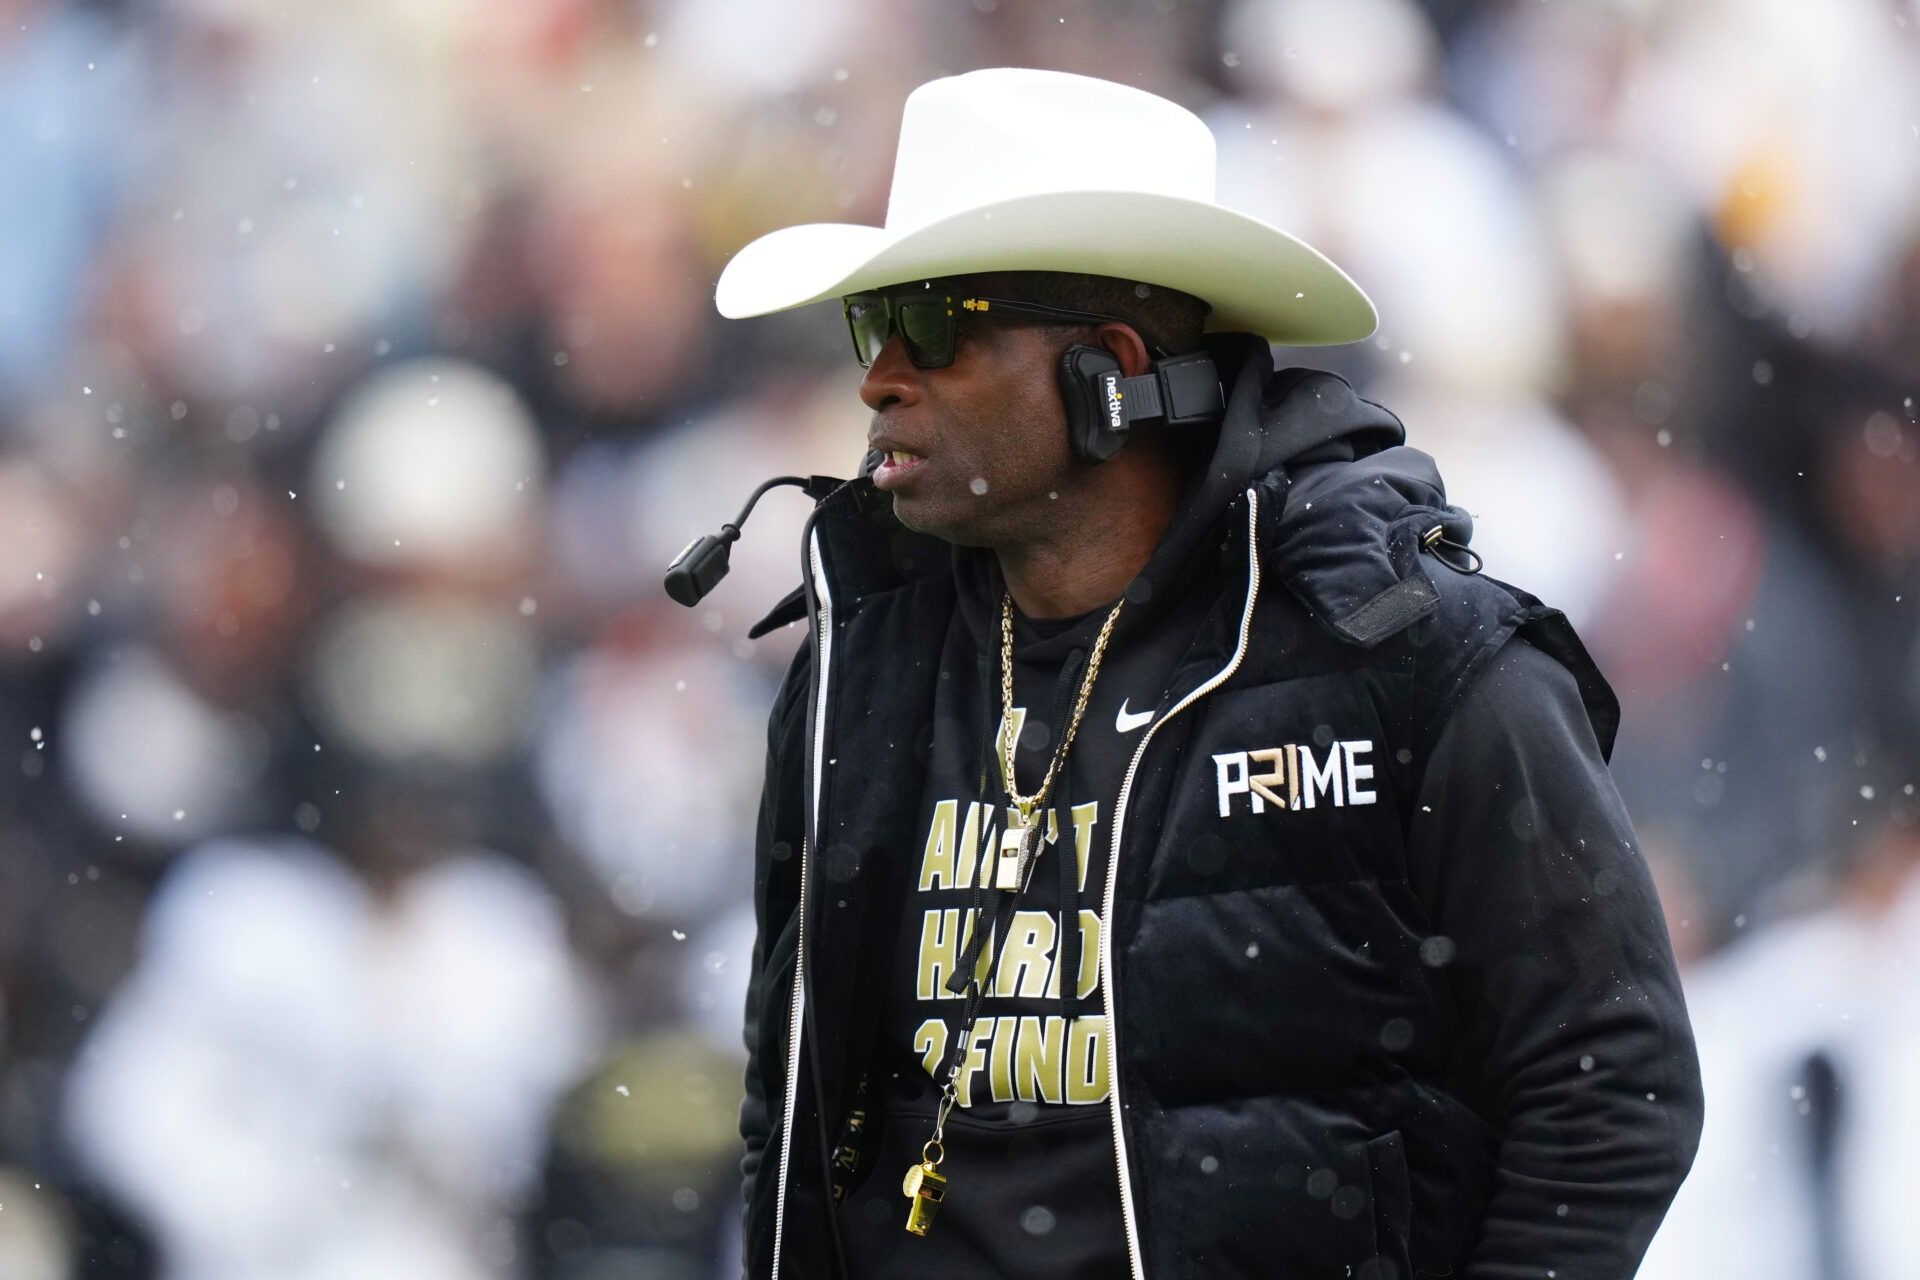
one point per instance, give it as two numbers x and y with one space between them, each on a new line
1124 723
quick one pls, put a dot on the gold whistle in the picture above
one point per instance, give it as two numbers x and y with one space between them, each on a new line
925 1186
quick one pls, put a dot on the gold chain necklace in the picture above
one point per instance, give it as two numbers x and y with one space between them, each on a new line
925 1186
1027 804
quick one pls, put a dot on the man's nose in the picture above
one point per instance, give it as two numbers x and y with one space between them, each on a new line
891 378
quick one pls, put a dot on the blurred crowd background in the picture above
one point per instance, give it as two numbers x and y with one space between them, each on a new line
375 835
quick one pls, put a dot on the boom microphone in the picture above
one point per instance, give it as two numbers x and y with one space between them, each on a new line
703 562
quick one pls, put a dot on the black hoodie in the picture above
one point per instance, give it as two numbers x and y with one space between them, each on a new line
1388 988
1028 1150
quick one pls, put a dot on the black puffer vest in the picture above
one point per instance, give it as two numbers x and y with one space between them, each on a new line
1283 1070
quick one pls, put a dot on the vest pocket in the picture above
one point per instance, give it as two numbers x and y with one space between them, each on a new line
1392 1202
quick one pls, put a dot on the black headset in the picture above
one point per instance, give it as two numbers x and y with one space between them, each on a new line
1103 404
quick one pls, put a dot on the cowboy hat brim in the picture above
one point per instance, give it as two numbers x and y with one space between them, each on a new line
1257 278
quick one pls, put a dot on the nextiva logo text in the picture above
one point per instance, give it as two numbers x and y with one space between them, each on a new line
1112 381
1290 777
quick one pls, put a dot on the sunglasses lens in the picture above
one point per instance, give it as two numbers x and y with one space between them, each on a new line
928 328
867 318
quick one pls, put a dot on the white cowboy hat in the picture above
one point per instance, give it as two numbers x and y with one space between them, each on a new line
1017 170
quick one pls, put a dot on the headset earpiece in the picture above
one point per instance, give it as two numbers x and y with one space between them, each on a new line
1089 387
1102 403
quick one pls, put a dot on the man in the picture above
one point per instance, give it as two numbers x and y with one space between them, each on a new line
1175 859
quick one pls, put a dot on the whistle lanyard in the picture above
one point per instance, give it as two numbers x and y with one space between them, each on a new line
1012 865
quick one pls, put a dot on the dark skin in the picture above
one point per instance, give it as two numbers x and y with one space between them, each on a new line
1069 534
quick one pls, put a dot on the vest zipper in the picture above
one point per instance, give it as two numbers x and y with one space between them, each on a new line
823 654
1135 1265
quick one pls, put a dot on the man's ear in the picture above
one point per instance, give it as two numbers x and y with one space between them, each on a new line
1126 346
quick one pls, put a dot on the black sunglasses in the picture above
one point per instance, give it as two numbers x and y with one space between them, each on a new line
928 322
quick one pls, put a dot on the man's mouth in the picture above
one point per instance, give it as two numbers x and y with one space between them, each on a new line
895 466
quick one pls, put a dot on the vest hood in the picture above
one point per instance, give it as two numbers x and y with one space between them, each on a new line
1345 504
